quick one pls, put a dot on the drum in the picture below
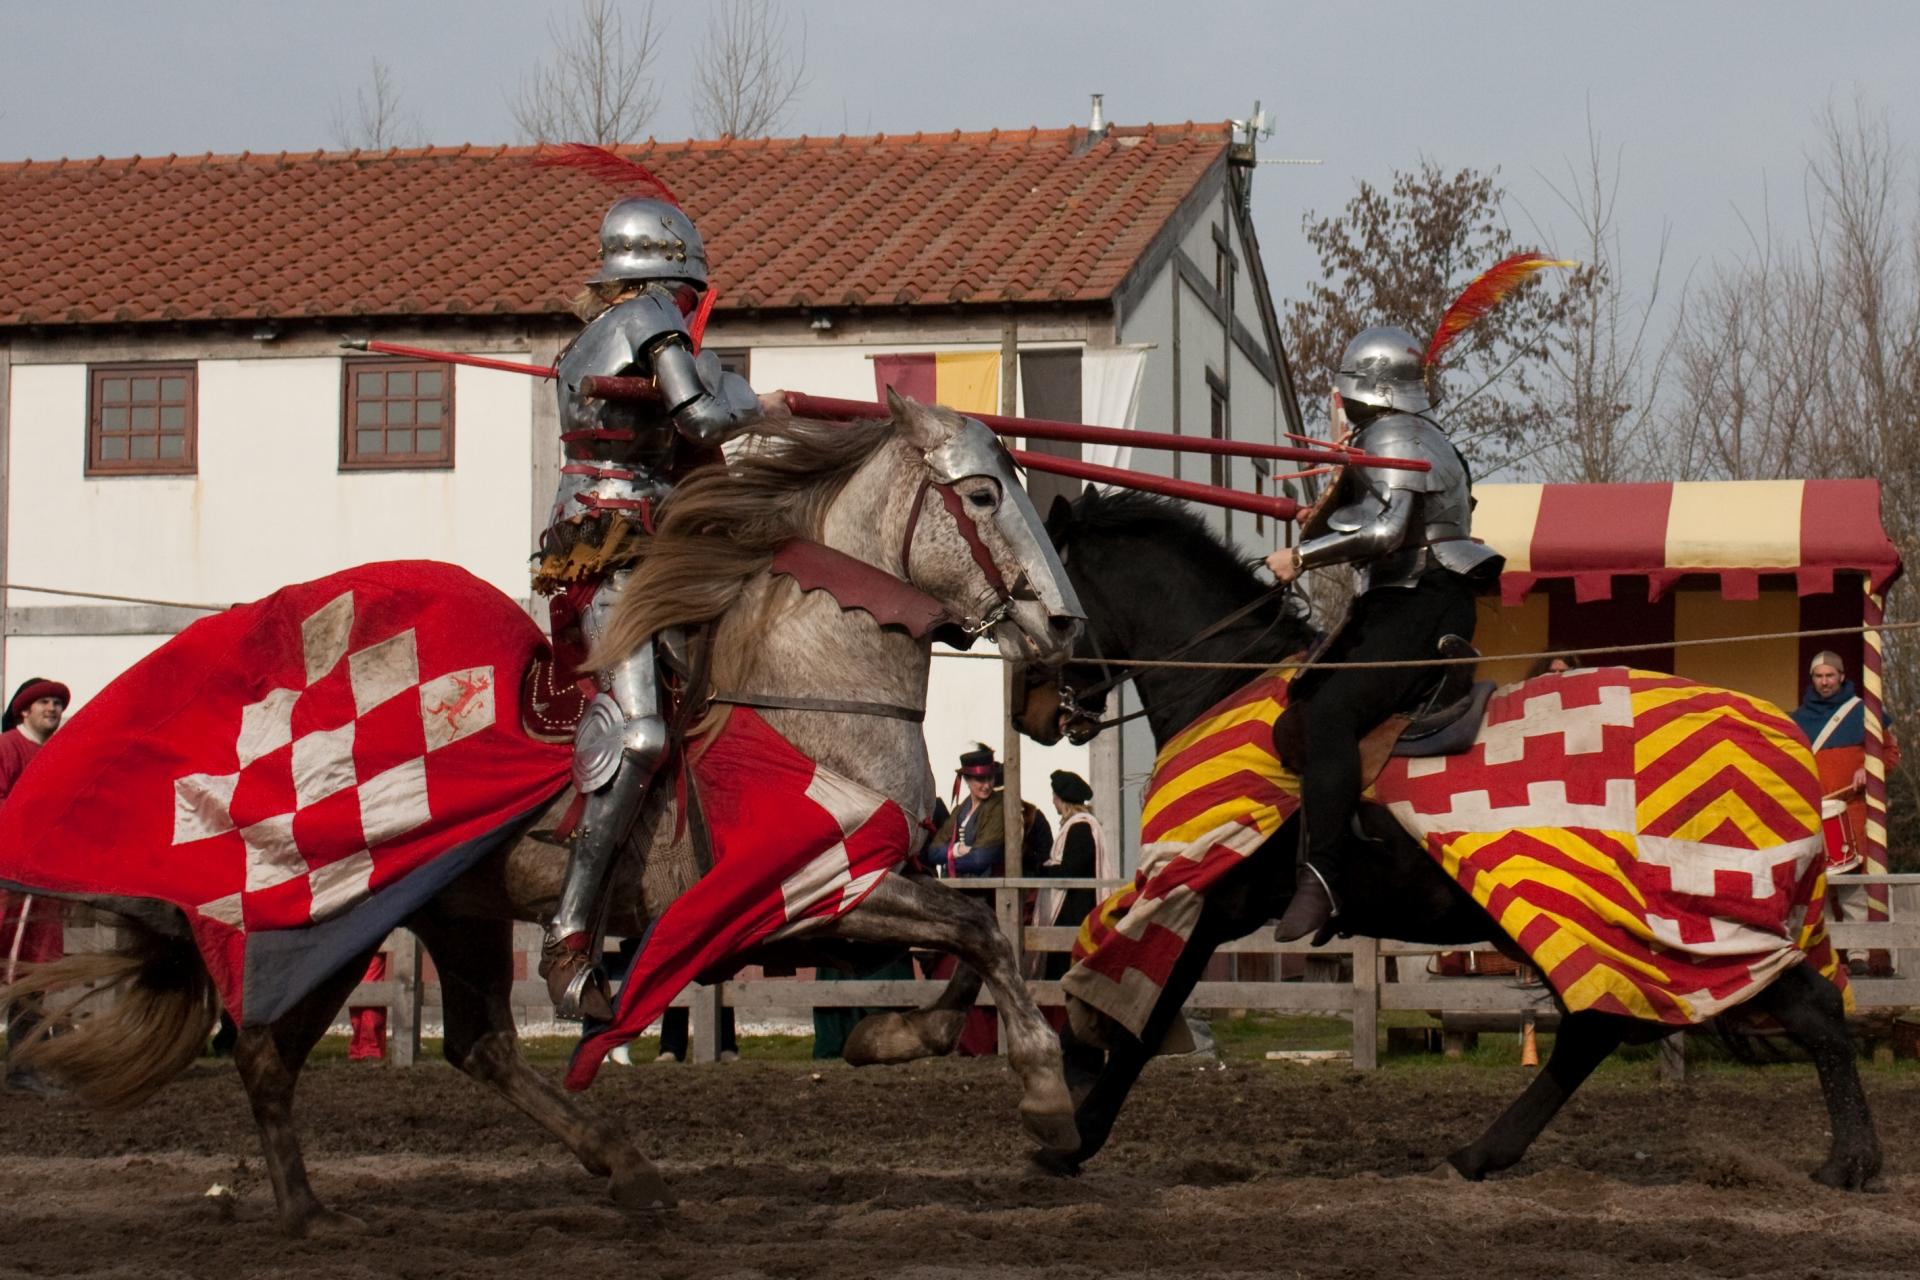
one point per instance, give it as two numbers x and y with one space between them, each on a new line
1842 854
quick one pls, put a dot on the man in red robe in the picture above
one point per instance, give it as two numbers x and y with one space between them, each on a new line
30 930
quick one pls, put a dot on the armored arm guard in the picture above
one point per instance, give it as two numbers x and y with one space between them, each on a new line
1370 539
708 404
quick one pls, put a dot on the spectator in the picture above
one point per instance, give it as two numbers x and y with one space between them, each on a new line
1080 851
972 840
676 1030
369 1021
1835 722
30 928
1552 665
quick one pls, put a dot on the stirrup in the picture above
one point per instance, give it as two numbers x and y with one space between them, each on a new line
576 986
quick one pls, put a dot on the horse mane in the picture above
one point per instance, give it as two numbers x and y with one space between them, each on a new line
1171 524
719 529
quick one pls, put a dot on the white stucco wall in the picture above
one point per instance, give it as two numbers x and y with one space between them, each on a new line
268 506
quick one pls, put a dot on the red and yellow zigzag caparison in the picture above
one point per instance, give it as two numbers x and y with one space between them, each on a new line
1488 290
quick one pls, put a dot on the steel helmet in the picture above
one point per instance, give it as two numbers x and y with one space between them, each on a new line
1382 367
642 238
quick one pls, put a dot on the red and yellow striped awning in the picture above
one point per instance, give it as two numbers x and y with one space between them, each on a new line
1736 529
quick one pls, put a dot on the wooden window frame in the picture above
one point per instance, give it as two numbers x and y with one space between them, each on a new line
351 460
187 465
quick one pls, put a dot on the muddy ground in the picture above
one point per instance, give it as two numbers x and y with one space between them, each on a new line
919 1172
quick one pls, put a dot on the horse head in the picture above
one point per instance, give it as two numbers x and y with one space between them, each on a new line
945 509
1158 583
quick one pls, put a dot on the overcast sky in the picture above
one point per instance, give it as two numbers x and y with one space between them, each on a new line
1706 102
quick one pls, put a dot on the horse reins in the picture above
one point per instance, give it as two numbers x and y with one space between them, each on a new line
1070 697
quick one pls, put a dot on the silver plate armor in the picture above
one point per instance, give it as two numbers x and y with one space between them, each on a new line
708 404
1382 367
646 239
1400 523
975 451
644 334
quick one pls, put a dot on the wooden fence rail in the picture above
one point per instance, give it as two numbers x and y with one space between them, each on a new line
1362 998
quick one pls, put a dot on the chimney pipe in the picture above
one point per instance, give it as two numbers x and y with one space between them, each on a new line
1097 127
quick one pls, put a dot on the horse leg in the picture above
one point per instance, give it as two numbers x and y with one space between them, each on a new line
269 1059
1583 1042
1127 1058
890 1037
921 913
1811 1010
475 960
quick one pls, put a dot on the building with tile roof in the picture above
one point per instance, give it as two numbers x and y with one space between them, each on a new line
180 424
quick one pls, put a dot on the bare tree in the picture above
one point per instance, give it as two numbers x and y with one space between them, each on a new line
1605 364
597 87
747 73
376 120
1803 359
1400 256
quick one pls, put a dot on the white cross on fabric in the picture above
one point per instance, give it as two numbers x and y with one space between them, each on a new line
326 773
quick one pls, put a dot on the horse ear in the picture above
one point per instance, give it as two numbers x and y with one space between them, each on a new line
921 428
1060 520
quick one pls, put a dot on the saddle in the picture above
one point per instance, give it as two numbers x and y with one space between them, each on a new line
1444 721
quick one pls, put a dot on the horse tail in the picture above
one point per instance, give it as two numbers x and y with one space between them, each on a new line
140 1016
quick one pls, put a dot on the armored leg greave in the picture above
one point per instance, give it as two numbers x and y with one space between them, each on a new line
616 751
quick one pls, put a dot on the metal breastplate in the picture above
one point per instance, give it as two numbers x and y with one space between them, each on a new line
617 454
1439 534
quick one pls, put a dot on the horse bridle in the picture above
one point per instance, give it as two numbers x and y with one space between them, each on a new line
1004 596
1070 698
996 581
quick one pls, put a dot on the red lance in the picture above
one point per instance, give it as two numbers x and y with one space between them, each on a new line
642 390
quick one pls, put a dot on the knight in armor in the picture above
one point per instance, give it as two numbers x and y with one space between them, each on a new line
621 460
1408 532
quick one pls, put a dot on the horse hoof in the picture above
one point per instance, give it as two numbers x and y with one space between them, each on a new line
1449 1170
1850 1174
886 1038
640 1191
326 1222
1055 1131
1058 1164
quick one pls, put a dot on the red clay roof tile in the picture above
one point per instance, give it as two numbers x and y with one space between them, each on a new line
1025 216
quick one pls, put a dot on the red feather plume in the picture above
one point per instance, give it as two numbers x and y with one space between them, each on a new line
603 164
1488 290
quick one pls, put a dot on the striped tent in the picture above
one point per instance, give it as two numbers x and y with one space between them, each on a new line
1651 564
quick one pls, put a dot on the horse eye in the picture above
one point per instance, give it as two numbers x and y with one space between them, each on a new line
981 499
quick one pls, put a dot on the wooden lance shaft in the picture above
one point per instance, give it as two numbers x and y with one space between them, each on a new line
1191 490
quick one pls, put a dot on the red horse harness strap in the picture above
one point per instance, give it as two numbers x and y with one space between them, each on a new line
855 584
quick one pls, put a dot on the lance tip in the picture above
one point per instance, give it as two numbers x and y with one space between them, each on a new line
354 344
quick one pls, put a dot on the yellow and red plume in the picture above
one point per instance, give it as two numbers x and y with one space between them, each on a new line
1488 290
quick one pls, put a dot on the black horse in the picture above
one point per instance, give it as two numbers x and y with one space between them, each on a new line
1151 577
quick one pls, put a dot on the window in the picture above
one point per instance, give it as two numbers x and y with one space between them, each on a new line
398 415
140 420
735 360
1217 425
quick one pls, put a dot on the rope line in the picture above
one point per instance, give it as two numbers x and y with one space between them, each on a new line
118 599
98 595
1184 665
1485 657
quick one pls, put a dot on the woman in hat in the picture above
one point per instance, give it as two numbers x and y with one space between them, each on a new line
1080 851
30 929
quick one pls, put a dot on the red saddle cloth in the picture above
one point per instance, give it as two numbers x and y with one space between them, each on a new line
297 774
794 844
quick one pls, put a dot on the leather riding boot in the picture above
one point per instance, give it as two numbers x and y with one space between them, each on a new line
1312 909
574 981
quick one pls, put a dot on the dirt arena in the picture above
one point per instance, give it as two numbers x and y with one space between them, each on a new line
1252 1169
